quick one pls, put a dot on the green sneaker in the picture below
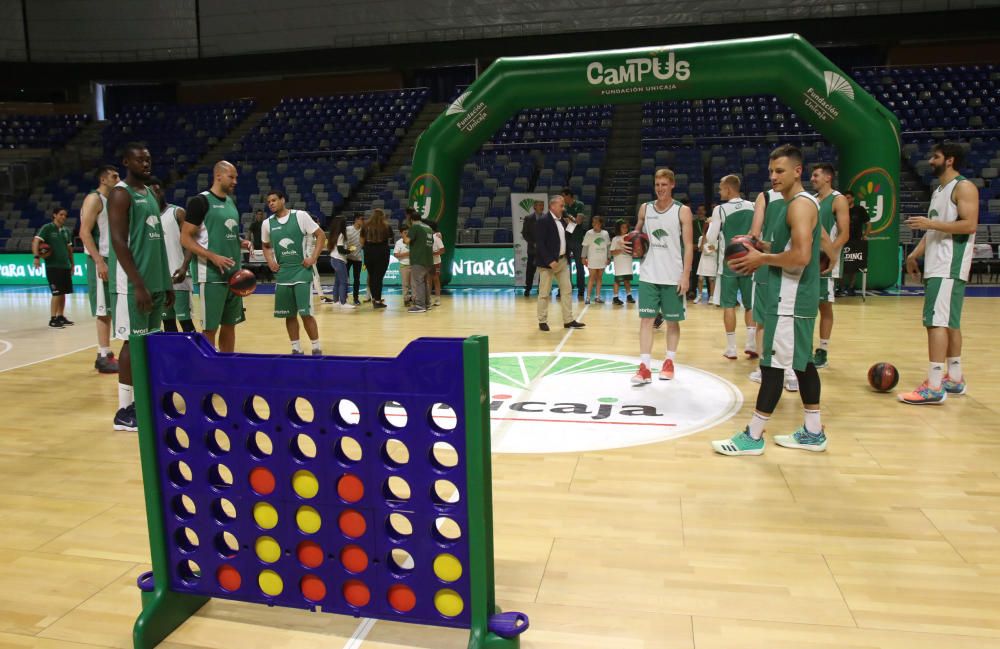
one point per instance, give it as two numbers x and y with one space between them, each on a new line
819 359
803 439
740 444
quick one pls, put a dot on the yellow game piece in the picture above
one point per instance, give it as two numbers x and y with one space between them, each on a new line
447 567
270 583
448 602
265 515
267 549
308 520
305 484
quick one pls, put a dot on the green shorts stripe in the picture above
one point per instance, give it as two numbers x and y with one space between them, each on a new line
661 299
128 320
181 309
787 342
943 300
826 290
97 291
292 299
741 285
219 306
760 303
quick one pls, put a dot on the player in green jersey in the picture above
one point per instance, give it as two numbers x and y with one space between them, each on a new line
58 263
835 218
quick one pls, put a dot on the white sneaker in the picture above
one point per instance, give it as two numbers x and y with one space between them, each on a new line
791 383
437 302
348 305
697 299
755 376
730 353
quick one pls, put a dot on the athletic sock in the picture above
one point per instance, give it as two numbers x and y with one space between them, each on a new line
296 347
125 397
824 344
757 424
671 355
104 352
812 423
935 372
315 345
646 359
731 341
752 338
955 369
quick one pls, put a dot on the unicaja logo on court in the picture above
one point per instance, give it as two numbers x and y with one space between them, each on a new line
544 403
836 83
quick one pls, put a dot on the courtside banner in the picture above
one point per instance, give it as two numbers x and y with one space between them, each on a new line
520 207
19 269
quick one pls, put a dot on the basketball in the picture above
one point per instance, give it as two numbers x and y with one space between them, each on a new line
736 249
243 282
883 377
44 250
639 241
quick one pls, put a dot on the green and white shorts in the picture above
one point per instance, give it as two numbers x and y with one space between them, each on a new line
661 299
219 306
743 285
292 299
943 298
826 290
181 310
760 303
97 291
128 320
787 342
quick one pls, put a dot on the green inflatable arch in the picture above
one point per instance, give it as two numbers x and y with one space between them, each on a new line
865 132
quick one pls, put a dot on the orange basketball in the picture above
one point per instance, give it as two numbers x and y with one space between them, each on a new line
243 282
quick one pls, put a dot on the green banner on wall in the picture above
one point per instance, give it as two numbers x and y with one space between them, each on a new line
19 269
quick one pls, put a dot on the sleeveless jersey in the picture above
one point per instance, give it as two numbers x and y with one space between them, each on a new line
145 241
220 233
774 214
664 262
736 217
794 291
291 246
172 242
100 232
828 219
947 255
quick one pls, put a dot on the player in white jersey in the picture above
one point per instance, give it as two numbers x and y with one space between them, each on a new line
179 260
947 251
94 221
834 216
664 273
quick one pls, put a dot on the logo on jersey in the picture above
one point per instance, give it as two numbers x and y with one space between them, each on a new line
231 224
152 221
543 403
458 106
660 233
875 191
427 196
836 83
286 246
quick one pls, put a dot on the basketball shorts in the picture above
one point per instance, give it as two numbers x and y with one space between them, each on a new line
292 299
181 310
60 280
127 320
787 342
826 289
97 291
760 303
943 298
741 284
219 306
661 299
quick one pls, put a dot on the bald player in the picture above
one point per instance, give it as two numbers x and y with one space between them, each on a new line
96 238
211 231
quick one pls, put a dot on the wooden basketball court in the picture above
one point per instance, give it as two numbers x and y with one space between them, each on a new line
889 539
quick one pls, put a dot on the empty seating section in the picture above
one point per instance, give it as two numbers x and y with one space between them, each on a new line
370 120
177 135
39 131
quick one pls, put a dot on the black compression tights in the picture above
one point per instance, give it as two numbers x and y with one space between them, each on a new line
772 381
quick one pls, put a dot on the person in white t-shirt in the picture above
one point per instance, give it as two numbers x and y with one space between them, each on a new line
401 252
434 277
622 260
594 250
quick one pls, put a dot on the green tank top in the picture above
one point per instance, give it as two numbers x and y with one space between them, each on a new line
289 244
145 241
794 291
220 234
828 219
737 217
774 214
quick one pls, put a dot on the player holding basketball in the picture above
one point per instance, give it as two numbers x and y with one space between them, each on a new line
734 217
139 274
96 241
947 251
179 260
212 232
835 218
663 274
791 307
58 264
299 240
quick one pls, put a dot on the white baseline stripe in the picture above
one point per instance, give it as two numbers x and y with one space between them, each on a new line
360 633
6 346
49 358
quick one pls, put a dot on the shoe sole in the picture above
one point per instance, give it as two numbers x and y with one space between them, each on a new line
816 448
106 371
956 392
821 367
922 403
641 381
732 358
790 389
758 451
751 355
131 429
666 378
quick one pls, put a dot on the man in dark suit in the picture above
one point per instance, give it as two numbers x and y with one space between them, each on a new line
550 256
528 234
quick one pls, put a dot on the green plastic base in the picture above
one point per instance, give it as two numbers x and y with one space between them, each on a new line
162 612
